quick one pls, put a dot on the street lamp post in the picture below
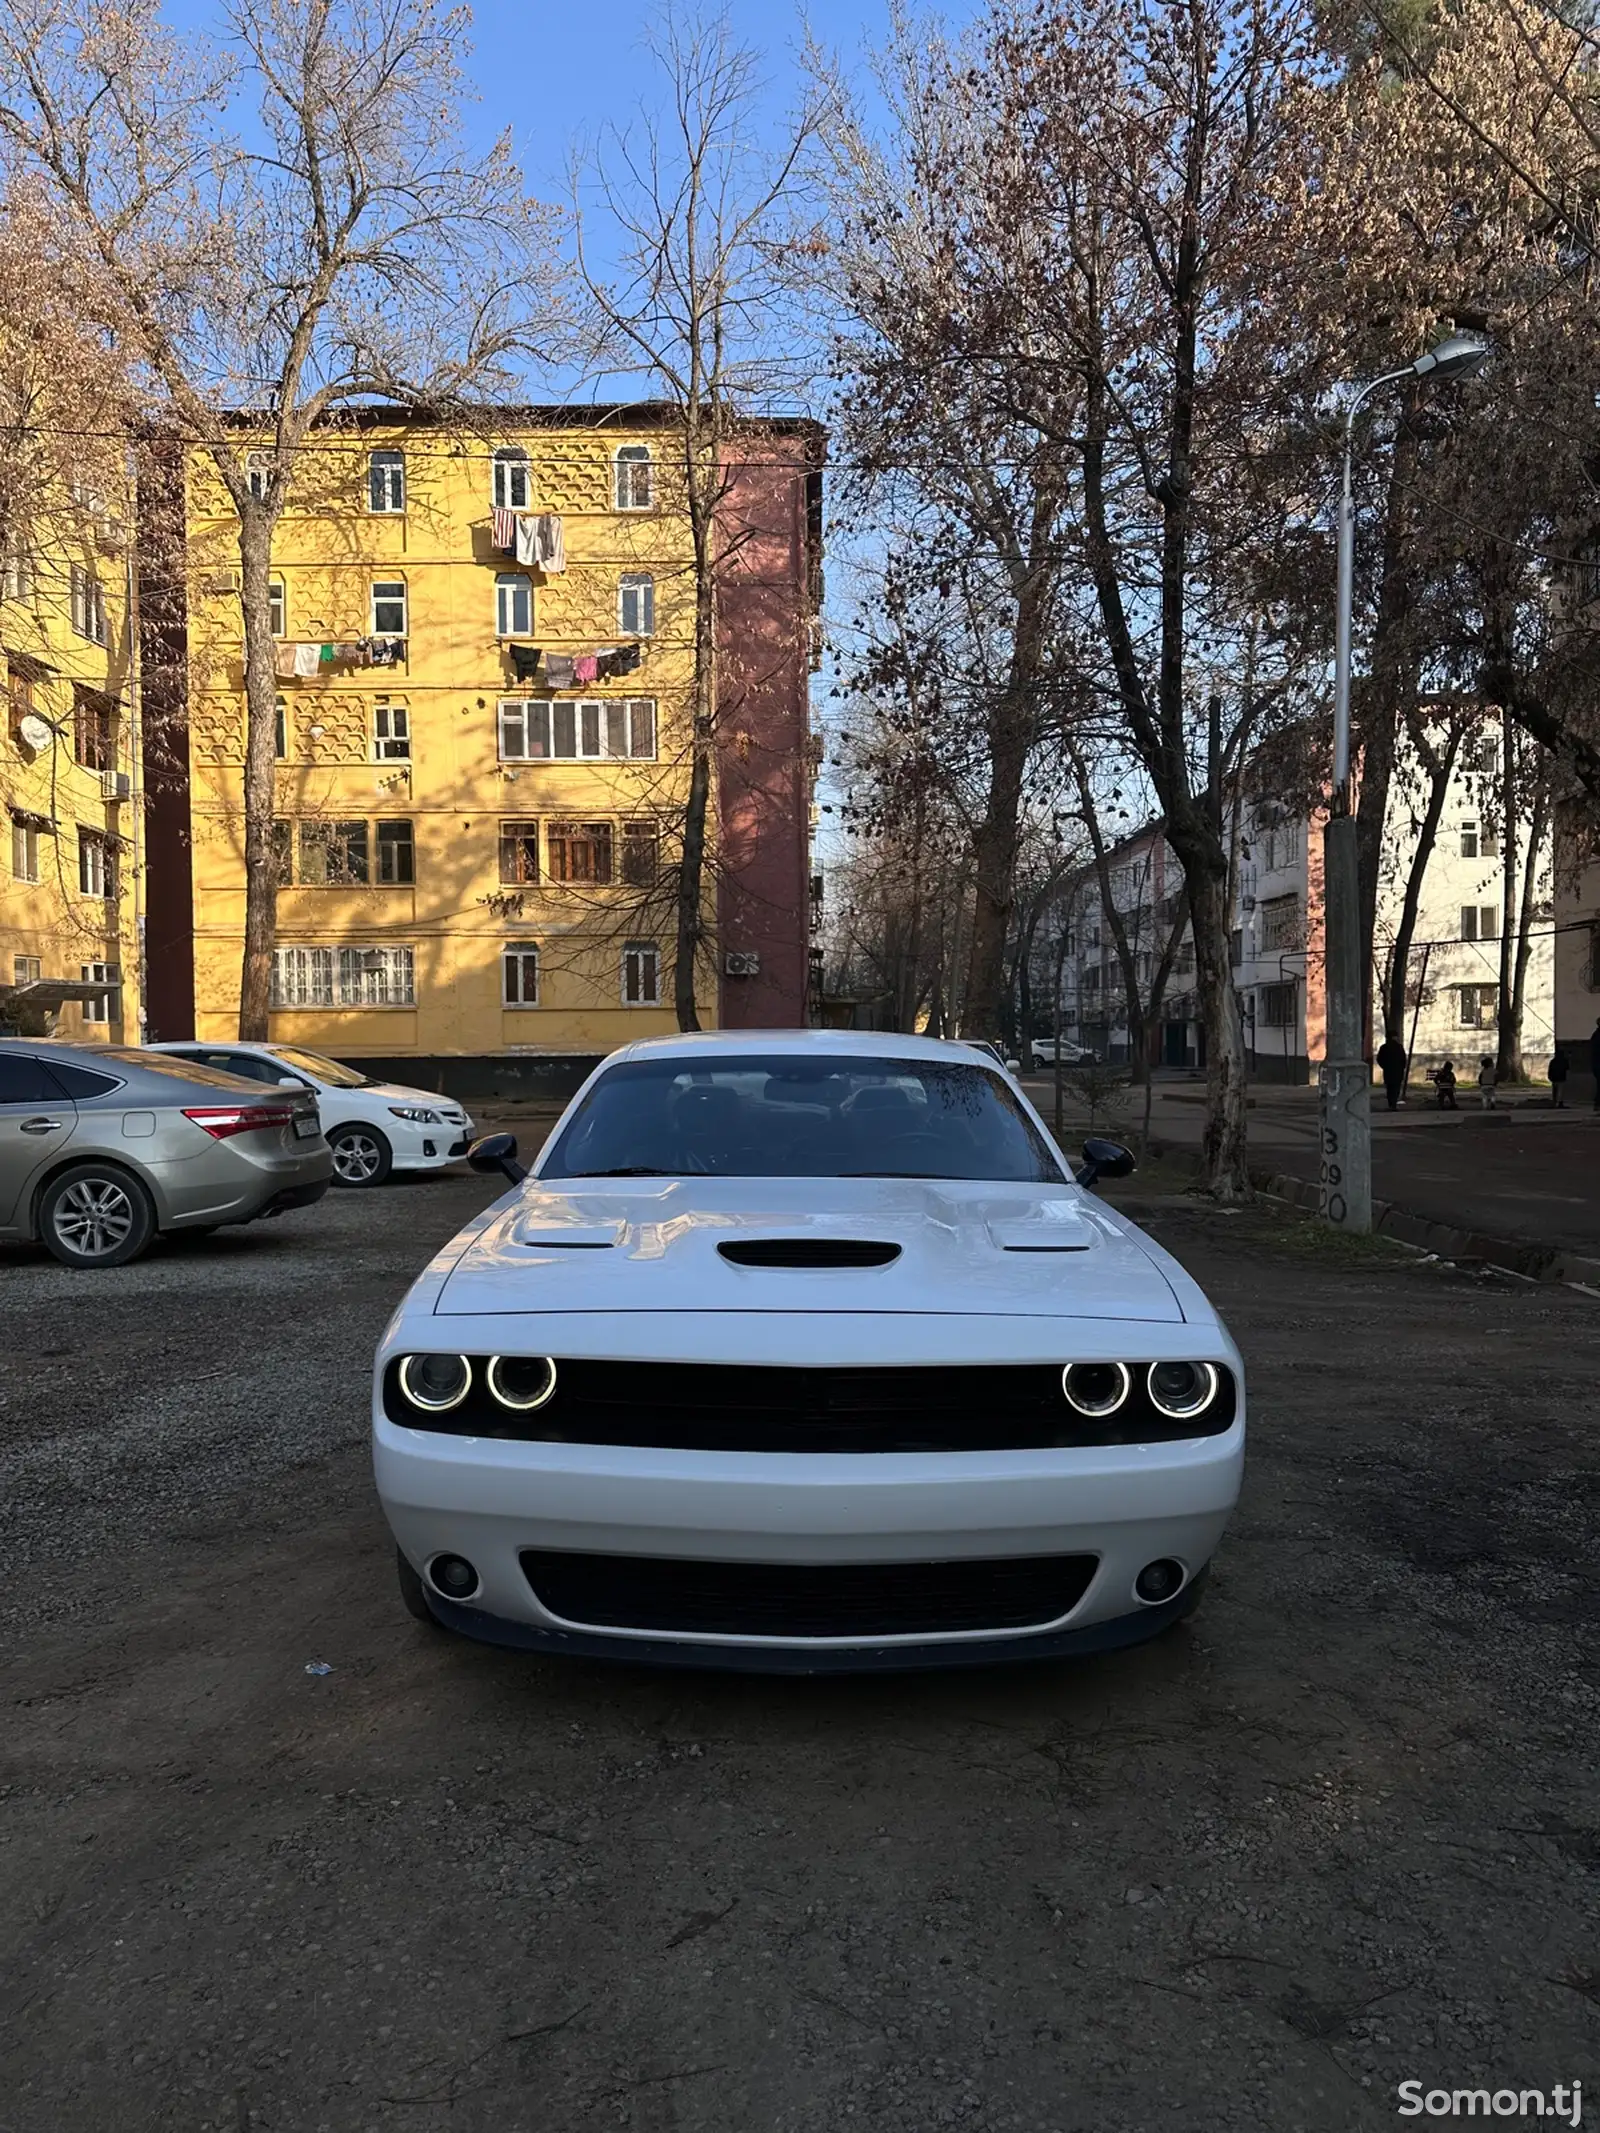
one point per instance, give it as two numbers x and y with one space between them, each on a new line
1345 1079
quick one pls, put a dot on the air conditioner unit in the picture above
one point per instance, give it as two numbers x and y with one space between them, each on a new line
115 785
221 581
742 963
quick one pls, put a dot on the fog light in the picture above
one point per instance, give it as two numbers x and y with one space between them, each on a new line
454 1576
522 1381
1158 1581
1095 1388
1181 1390
435 1382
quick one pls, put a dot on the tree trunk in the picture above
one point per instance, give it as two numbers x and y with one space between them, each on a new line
1538 816
691 926
260 858
1507 1063
1394 1002
1223 1144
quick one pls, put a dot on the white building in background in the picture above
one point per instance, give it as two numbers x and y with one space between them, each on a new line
1577 953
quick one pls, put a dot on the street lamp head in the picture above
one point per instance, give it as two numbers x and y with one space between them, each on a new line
1457 356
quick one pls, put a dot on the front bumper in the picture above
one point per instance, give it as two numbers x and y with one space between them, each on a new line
427 1147
489 1500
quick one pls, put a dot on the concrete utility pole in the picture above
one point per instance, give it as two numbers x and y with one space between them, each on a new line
1345 1079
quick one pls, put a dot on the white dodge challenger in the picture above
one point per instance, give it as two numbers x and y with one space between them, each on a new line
799 1351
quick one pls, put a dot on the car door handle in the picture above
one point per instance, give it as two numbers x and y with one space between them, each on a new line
42 1125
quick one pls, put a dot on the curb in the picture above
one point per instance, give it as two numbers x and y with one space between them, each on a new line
1534 1262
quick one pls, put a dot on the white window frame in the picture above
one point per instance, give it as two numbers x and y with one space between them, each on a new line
391 731
515 959
25 851
647 957
26 970
88 605
97 872
280 729
636 604
302 977
1469 840
384 591
18 580
532 717
509 460
257 473
105 1007
344 977
510 586
386 481
277 607
629 462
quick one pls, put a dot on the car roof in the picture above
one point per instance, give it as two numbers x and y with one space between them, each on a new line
801 1044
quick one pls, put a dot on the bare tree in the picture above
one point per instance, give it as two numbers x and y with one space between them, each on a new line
342 247
691 241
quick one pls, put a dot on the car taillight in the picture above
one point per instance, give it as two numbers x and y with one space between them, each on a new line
223 1121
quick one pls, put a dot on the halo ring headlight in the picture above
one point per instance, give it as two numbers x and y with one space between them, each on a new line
1095 1389
521 1382
435 1383
1181 1402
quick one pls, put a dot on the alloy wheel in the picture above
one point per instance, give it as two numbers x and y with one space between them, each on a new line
94 1216
357 1158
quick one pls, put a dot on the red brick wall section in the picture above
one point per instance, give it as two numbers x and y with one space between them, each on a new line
763 773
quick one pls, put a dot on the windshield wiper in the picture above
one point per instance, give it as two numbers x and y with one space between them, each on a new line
626 1170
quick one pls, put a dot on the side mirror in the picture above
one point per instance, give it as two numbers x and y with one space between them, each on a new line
498 1152
288 1081
1105 1159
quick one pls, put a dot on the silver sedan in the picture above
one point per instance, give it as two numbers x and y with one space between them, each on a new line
102 1146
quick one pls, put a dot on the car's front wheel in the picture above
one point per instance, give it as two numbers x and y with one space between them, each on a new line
95 1215
412 1595
361 1155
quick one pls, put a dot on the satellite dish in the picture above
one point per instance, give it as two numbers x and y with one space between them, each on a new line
33 733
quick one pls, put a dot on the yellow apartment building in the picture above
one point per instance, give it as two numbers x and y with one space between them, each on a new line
485 665
70 863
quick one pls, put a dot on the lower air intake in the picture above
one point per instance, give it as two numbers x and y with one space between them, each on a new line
668 1596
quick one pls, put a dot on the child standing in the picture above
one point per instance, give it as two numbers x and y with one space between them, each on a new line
1444 1080
1486 1081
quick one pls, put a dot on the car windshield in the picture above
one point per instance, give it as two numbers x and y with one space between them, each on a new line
827 1116
313 1063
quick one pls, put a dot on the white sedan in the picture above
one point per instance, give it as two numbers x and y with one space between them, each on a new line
804 1350
373 1127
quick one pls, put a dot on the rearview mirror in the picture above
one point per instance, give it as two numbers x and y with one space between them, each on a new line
497 1152
1105 1159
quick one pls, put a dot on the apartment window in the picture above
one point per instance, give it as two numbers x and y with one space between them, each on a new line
280 728
389 608
580 852
1280 922
343 977
635 478
26 970
397 855
25 851
1484 760
257 473
97 873
512 484
276 613
1277 1005
1236 947
94 730
641 975
18 579
105 1006
519 853
636 604
1477 1009
1476 844
1480 922
391 732
519 975
386 481
333 854
567 729
282 853
513 605
641 854
88 605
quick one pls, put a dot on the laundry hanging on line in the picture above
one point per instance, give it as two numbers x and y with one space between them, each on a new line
505 529
307 659
559 670
524 661
550 543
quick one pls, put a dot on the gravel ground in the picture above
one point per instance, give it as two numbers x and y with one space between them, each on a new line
1339 1832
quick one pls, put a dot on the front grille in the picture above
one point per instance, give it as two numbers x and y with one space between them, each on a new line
674 1597
746 1407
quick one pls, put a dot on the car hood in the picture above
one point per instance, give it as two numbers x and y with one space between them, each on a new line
652 1245
396 1092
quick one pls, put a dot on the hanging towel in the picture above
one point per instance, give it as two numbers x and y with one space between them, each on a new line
325 656
348 655
558 670
624 661
551 543
586 668
505 529
524 661
306 660
283 660
527 539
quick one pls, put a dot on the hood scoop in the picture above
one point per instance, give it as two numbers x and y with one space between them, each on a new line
568 1236
1053 1226
808 1252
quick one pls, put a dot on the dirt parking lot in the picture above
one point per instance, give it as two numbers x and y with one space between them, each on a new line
1339 1832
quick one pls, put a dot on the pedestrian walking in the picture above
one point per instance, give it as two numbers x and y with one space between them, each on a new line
1486 1081
1557 1070
1392 1064
1444 1080
1594 1060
